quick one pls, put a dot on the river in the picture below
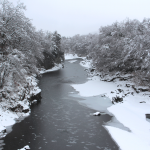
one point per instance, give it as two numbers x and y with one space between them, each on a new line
59 122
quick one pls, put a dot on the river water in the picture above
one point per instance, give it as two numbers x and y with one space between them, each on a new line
59 122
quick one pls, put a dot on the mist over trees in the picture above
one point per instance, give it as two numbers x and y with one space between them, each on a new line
121 47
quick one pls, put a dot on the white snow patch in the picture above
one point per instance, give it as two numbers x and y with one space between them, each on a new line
131 113
55 68
94 87
86 63
33 82
25 147
72 61
72 56
6 119
127 140
34 101
98 103
96 114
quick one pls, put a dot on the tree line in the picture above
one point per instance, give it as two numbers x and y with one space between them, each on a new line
23 49
23 52
121 47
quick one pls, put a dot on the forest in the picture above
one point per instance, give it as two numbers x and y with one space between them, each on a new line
121 47
23 52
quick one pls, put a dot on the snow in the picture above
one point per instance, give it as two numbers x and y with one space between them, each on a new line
72 61
34 101
96 114
55 68
130 113
86 63
36 90
94 87
127 140
72 56
8 117
33 82
25 147
98 103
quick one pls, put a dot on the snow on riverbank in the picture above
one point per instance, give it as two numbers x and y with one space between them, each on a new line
86 63
55 68
6 119
72 61
18 105
72 56
25 147
94 87
131 112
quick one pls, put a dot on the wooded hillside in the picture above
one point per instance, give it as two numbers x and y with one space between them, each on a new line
121 47
23 50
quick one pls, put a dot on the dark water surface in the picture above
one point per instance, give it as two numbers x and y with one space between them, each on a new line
59 122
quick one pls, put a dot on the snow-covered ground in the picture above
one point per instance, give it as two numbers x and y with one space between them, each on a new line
86 63
72 56
131 112
7 116
21 108
25 147
72 61
6 119
55 68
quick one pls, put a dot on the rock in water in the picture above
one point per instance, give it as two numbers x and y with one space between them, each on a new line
97 114
34 101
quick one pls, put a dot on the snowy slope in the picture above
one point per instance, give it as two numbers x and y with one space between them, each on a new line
131 112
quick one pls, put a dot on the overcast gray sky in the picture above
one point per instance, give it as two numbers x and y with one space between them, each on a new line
70 17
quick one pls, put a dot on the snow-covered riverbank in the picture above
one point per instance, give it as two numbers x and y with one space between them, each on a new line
55 68
25 148
131 112
18 104
72 56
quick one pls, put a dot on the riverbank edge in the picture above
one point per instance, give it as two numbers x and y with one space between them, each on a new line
133 104
21 109
132 110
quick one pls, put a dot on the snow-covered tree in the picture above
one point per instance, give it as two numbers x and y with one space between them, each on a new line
22 50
